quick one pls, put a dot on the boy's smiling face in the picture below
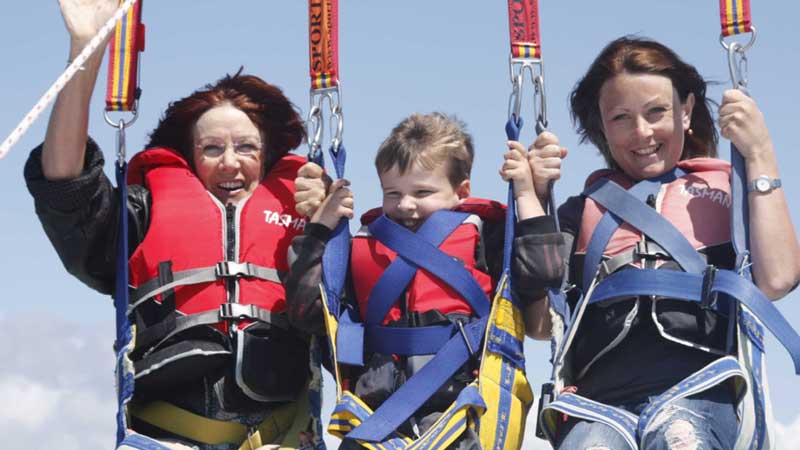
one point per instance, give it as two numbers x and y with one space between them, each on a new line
410 198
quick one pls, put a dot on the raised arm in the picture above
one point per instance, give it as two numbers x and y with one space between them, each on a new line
65 141
773 241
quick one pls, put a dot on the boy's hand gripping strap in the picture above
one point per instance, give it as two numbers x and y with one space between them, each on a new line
122 91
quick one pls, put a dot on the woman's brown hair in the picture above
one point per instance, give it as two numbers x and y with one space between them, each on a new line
635 55
263 103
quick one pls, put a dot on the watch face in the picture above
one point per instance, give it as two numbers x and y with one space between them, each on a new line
762 185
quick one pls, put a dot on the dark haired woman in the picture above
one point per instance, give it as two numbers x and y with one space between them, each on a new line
217 365
646 111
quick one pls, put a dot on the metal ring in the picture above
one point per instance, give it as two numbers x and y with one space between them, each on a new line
134 111
743 48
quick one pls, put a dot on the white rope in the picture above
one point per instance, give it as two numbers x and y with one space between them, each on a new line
59 84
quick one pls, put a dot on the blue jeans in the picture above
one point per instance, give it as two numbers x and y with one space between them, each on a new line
705 421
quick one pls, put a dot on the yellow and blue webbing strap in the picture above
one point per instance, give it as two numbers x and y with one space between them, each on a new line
127 42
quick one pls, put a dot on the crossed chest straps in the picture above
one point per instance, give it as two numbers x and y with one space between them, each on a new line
417 251
698 283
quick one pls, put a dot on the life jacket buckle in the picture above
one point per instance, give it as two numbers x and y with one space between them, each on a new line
225 269
235 311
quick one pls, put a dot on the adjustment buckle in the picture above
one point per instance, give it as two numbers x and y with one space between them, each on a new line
644 251
545 399
226 269
235 311
708 298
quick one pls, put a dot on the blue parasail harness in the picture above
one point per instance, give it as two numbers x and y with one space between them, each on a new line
494 406
730 293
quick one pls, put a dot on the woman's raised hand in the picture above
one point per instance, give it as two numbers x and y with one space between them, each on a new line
544 157
84 18
741 122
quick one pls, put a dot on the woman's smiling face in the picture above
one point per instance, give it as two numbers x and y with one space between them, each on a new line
644 123
228 153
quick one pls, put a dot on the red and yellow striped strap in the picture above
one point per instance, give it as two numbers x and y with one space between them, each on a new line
523 24
123 61
323 43
734 17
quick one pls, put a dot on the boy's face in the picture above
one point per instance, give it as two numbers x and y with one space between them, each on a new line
410 198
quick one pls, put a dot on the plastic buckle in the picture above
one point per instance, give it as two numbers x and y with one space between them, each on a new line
708 298
235 311
545 399
226 269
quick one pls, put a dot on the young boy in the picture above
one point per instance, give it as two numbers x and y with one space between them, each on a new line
424 166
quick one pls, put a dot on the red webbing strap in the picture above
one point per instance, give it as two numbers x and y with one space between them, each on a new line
123 61
523 24
734 17
323 43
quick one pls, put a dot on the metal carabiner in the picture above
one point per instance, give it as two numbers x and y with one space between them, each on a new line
517 68
316 118
121 151
540 98
737 65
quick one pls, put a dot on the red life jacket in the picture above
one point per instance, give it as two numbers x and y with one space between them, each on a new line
189 227
697 204
369 258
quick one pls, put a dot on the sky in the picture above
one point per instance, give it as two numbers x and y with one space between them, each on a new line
56 362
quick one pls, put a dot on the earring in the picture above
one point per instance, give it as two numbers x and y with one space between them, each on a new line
690 132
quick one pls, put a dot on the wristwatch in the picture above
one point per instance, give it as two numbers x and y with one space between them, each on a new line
763 184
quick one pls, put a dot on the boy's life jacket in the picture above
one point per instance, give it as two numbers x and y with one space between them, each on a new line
698 205
206 280
425 292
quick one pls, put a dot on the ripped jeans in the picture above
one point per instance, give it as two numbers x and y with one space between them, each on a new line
705 421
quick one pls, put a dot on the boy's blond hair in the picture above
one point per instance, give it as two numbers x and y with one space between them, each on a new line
428 140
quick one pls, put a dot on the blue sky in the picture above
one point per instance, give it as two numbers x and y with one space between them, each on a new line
396 58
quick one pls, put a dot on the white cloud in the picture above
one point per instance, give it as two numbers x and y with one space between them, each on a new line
26 403
787 437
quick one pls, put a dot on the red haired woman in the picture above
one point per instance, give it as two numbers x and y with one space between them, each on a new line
212 212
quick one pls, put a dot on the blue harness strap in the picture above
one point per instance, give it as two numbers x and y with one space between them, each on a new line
425 255
689 286
124 374
420 387
391 285
574 405
336 257
141 442
395 278
706 378
630 208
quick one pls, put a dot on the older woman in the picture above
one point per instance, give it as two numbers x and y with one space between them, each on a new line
213 194
646 111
